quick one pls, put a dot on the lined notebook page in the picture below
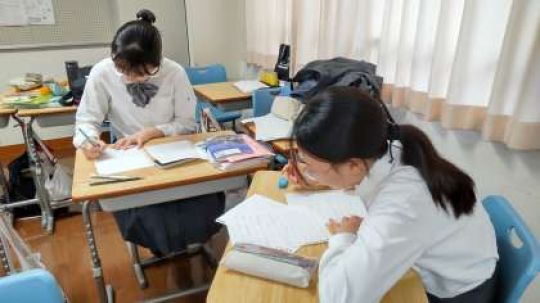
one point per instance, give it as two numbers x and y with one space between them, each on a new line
329 204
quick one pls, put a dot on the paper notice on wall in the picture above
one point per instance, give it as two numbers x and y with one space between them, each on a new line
26 12
39 12
12 13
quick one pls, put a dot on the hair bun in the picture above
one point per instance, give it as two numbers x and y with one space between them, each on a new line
146 15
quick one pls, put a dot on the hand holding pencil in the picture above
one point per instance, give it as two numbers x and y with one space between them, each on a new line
92 148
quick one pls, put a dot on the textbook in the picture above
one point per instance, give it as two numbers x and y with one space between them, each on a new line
271 264
235 152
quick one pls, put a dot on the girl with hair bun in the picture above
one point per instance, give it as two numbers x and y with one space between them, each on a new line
145 96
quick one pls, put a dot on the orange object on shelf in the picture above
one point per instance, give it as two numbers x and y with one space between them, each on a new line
44 90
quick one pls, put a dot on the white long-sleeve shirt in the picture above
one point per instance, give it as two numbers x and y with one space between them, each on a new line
105 95
403 229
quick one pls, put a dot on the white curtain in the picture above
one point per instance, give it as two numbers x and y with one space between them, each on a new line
472 64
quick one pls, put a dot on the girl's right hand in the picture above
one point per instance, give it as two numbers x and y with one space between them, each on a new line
92 152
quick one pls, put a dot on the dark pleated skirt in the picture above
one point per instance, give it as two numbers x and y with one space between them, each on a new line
170 227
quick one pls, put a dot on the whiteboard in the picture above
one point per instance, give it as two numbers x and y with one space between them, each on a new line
76 23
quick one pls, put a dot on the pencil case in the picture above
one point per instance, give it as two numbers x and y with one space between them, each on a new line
271 264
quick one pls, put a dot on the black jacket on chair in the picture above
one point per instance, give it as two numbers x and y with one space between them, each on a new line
319 74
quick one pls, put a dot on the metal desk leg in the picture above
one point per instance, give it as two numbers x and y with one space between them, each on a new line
210 256
4 258
105 292
137 266
5 199
47 220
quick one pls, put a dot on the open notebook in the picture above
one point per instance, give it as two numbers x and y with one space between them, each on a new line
174 153
162 155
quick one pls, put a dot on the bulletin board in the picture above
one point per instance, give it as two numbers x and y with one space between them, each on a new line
77 23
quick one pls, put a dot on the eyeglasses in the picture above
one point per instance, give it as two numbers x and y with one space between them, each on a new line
303 169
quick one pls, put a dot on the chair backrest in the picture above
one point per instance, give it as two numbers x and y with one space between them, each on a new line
264 98
206 74
518 264
208 121
36 285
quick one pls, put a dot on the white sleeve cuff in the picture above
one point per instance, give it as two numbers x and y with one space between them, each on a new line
79 139
166 129
341 240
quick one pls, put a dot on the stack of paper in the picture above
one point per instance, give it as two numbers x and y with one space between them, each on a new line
262 221
249 86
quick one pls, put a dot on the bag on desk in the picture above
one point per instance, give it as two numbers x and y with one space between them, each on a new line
270 264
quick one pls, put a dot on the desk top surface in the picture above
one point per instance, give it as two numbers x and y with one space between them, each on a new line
153 178
7 111
229 286
220 92
46 111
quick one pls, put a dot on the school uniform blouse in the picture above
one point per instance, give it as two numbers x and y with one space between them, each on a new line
403 229
105 95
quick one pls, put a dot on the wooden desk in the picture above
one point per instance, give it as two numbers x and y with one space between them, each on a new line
223 95
44 117
48 117
154 178
46 111
281 146
229 286
158 186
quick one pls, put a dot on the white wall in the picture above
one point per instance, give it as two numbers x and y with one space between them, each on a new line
170 20
217 34
496 170
170 16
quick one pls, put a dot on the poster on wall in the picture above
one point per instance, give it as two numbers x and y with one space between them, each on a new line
26 12
39 12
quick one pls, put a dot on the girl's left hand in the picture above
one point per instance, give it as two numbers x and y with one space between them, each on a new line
347 225
138 139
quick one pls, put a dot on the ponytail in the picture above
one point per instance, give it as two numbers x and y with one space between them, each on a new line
448 185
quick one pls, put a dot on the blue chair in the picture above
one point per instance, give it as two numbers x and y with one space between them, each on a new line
36 285
518 265
262 104
264 98
211 74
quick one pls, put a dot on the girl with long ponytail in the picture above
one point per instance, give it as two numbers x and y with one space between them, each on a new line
422 210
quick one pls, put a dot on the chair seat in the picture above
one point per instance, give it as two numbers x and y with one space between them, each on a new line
220 115
42 285
226 116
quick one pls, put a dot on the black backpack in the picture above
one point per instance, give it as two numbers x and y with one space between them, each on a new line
21 187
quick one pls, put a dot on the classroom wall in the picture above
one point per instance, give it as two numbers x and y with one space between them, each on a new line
217 34
170 21
496 170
